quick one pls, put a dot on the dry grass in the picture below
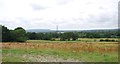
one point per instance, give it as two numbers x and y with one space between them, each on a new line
82 51
75 47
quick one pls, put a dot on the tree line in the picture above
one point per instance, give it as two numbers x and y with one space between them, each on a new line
20 35
72 35
53 35
17 35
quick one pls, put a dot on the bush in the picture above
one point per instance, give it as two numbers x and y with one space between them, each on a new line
101 40
53 39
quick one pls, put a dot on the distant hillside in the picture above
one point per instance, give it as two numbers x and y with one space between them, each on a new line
102 30
39 30
48 30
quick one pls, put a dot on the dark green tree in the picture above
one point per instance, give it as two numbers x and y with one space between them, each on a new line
47 36
32 36
69 35
75 36
5 34
40 36
19 34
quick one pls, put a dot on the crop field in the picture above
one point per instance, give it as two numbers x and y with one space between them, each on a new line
32 51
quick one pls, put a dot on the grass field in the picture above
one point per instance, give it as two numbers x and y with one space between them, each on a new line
93 40
59 51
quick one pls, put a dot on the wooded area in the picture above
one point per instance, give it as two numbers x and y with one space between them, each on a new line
20 35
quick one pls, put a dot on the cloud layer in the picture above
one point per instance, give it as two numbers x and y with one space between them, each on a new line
67 14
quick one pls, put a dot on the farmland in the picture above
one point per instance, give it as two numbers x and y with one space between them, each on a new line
60 51
86 46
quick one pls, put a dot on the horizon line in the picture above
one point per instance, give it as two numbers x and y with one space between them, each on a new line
76 29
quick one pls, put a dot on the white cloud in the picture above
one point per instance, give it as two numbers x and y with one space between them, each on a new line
68 14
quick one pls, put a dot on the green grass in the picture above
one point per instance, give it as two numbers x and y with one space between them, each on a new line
48 41
14 55
79 40
15 58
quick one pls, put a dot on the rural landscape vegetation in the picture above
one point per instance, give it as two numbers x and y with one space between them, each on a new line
18 45
59 31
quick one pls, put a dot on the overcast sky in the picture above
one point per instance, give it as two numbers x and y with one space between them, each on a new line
67 14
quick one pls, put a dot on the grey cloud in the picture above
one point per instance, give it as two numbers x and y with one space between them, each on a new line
61 21
18 22
107 17
97 20
88 3
78 19
38 7
62 2
27 21
103 21
101 7
9 24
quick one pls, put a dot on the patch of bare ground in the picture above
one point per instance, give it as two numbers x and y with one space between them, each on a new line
46 58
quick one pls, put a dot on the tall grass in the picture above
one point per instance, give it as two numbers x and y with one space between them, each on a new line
99 51
76 47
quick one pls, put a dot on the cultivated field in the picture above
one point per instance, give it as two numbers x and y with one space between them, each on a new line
43 51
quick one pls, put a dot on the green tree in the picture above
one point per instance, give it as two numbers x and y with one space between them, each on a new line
32 36
5 34
69 35
40 36
19 34
75 36
47 36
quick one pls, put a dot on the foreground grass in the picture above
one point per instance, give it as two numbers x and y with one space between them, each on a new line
15 55
80 51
